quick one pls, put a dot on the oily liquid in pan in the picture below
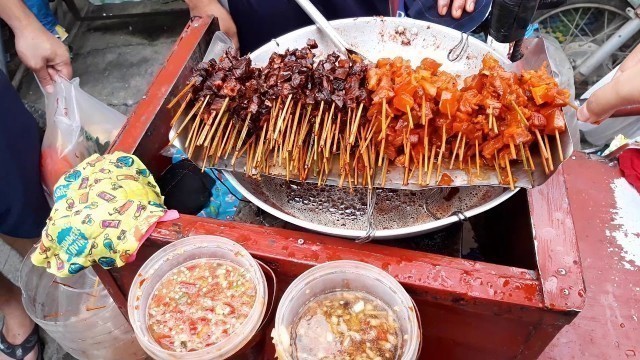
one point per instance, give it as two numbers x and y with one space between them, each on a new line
340 208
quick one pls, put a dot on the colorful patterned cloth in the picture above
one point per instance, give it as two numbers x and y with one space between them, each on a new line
103 209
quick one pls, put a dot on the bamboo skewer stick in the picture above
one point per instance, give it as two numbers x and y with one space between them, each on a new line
550 158
175 99
513 148
337 131
282 116
490 118
464 140
200 139
455 151
410 117
477 159
543 150
180 110
355 125
243 133
544 159
193 134
509 173
520 115
237 154
573 106
184 123
444 138
433 154
560 152
531 164
497 164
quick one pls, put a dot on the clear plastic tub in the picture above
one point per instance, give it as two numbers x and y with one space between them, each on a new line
346 275
78 313
175 255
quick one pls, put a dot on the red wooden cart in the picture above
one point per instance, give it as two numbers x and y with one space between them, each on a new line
469 309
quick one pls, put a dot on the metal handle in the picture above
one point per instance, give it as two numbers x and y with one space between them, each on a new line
323 24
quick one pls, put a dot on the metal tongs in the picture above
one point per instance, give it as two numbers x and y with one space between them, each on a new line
328 30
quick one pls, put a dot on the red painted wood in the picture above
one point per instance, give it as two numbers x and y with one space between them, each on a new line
556 249
138 122
469 310
608 327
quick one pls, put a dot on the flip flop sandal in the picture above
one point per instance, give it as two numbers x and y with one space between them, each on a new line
20 351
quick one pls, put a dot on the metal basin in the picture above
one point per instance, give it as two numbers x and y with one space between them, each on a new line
397 213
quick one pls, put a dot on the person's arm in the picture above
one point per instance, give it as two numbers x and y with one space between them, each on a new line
38 49
622 91
457 7
212 8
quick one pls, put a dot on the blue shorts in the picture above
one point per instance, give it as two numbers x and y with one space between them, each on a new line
23 206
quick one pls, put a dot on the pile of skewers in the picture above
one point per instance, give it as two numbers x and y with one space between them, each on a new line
299 114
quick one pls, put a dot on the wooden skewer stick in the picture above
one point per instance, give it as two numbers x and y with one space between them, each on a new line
531 164
184 104
573 106
295 126
243 134
490 118
477 159
444 138
337 131
495 123
524 120
497 164
231 142
523 155
469 167
509 173
195 129
238 154
433 154
559 146
513 148
175 99
544 159
426 144
543 149
355 125
423 111
420 157
410 117
546 142
385 166
455 151
464 140
282 116
184 123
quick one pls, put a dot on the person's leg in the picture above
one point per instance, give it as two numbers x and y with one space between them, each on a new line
17 324
23 210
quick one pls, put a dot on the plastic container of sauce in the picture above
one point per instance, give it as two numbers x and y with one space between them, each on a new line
203 297
346 310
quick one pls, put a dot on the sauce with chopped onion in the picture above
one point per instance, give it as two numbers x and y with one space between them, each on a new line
200 304
346 325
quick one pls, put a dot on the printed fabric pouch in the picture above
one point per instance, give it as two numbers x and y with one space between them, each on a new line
104 209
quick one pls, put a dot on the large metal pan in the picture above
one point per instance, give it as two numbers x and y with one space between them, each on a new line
398 213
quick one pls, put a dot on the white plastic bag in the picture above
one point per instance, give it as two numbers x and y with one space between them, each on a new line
78 126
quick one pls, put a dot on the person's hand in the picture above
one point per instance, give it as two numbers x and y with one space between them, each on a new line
622 91
457 7
43 54
212 8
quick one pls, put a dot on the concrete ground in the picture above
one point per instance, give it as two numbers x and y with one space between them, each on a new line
115 61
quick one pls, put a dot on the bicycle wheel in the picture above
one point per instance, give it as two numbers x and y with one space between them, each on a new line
581 27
